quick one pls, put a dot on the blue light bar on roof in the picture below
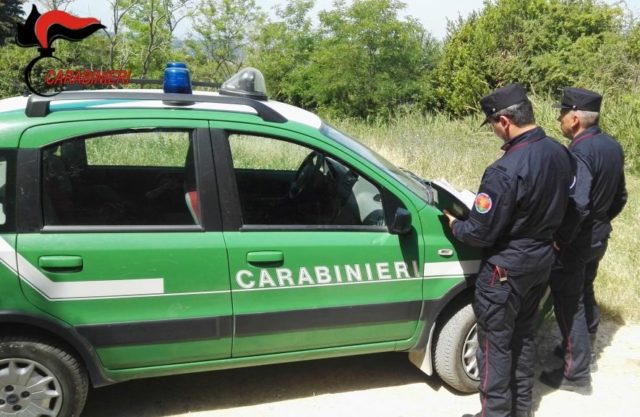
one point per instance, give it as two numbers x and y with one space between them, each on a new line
176 78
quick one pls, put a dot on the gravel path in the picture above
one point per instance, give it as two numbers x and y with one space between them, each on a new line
372 385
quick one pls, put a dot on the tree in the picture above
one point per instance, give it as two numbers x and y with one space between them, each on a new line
176 11
10 14
15 60
545 44
369 61
633 50
223 30
150 27
282 51
148 24
119 9
91 53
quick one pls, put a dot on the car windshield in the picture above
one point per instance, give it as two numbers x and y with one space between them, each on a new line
409 179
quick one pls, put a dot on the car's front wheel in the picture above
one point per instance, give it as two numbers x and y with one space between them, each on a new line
39 378
455 350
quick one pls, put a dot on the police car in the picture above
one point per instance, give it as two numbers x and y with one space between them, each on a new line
159 232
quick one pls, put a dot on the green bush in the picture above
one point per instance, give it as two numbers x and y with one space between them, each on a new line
544 44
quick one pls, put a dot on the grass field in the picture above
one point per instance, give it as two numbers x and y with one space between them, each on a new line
459 151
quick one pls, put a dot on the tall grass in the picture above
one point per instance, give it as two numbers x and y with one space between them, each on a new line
435 146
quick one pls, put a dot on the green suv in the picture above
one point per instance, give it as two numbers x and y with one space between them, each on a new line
147 233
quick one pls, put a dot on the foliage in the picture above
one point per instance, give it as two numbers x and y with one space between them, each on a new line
368 60
545 44
365 58
362 60
88 54
224 29
14 60
632 49
147 24
10 14
118 51
282 50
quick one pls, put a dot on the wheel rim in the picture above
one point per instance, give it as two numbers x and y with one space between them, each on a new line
28 388
469 361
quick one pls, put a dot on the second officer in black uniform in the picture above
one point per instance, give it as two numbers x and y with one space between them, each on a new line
600 194
519 206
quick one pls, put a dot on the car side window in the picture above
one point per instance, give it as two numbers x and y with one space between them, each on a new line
122 178
283 183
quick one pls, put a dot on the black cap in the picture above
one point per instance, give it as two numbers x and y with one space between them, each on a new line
580 99
501 99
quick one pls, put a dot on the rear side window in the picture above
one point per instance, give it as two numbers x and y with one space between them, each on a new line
119 179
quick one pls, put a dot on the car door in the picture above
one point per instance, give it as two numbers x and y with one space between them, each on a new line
313 264
120 237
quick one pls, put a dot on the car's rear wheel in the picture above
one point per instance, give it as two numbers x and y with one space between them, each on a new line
455 351
39 378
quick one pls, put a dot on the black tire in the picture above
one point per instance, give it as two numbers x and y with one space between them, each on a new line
39 373
456 338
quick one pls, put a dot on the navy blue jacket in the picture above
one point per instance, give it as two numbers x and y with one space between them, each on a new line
601 185
521 203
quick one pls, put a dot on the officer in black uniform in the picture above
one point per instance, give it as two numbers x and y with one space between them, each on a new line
521 202
600 192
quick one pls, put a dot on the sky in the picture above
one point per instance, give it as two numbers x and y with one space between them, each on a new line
432 14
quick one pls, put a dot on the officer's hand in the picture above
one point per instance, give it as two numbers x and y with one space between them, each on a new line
451 217
556 246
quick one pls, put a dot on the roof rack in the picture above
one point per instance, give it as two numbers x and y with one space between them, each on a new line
38 106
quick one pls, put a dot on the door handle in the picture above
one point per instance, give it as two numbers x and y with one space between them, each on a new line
61 263
445 252
265 257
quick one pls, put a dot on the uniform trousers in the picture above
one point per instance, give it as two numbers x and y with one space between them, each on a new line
576 310
567 282
506 311
592 312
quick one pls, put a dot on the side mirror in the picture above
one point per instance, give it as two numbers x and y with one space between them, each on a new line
401 224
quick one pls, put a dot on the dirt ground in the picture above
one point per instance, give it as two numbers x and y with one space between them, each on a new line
372 385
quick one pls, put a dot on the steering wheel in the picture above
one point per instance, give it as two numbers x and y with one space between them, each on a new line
309 168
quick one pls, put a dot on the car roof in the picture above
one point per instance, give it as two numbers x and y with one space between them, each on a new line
289 112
